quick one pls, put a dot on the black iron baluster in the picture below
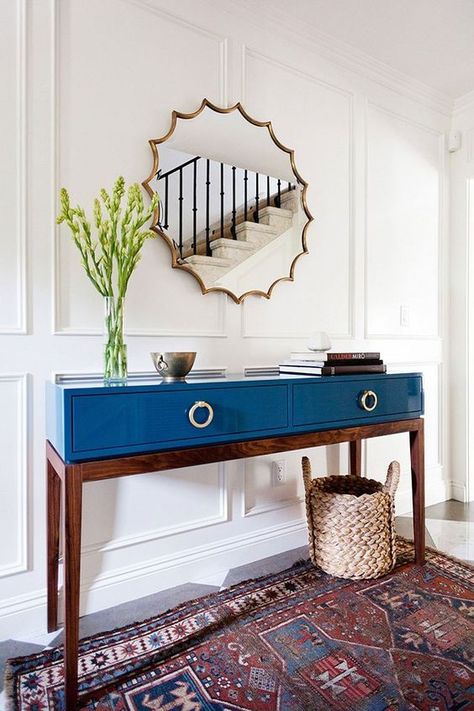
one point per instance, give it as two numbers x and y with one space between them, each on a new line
166 225
194 206
246 178
255 215
234 235
289 187
208 182
160 175
278 200
222 199
268 190
181 212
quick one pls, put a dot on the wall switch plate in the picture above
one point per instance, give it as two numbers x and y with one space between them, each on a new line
404 315
278 472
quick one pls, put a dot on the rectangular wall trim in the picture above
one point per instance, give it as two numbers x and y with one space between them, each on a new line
58 329
20 562
20 209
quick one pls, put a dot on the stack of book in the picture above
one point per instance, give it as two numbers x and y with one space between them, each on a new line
314 363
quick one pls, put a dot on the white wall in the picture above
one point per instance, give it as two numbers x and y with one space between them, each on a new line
461 308
93 82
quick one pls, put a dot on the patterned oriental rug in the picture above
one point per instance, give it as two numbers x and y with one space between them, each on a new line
295 641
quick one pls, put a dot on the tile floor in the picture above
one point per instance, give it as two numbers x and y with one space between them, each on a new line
449 528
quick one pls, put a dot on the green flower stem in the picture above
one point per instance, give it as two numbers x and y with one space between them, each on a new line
110 259
115 350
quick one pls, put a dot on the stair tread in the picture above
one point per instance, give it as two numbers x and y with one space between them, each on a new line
287 196
256 226
200 259
232 244
280 211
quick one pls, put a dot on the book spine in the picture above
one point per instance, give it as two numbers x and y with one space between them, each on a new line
354 362
352 369
301 371
352 356
303 363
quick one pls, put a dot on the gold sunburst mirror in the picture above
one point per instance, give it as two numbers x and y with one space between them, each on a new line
232 203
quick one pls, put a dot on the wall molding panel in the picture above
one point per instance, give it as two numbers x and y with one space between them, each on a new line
220 516
20 104
372 106
268 508
19 522
58 328
247 509
465 489
250 52
404 118
219 332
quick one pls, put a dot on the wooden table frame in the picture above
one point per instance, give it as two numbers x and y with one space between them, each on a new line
64 490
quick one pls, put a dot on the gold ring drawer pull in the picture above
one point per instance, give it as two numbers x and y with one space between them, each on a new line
196 406
368 395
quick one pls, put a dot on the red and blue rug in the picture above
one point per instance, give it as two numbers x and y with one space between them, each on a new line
295 641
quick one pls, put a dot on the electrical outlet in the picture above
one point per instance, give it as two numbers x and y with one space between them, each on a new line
278 472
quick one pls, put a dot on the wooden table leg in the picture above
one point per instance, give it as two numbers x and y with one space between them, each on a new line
72 498
417 456
355 456
53 493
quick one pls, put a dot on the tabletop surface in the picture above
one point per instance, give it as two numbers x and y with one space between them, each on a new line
237 379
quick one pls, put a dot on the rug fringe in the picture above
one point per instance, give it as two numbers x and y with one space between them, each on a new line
299 563
8 684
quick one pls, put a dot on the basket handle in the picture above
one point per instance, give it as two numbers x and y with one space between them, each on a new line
307 479
393 477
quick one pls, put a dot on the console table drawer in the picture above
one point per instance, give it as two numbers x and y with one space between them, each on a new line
98 421
155 419
340 399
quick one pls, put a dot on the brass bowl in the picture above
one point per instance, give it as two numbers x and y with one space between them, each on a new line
173 366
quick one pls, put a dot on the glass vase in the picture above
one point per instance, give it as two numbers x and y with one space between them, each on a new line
115 350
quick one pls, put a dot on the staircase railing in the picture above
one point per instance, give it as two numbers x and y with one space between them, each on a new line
171 192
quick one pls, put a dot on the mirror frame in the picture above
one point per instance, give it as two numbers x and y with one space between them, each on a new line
176 262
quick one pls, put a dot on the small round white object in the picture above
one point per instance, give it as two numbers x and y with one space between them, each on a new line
319 341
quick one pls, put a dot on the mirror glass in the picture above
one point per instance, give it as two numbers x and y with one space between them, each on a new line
232 204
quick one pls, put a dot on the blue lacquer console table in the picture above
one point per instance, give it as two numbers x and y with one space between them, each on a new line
100 432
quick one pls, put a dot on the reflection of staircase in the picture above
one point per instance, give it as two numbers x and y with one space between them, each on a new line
228 251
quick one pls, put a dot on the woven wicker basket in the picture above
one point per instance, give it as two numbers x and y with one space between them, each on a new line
351 523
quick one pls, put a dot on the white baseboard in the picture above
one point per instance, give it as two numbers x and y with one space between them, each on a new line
459 491
23 615
437 490
27 615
